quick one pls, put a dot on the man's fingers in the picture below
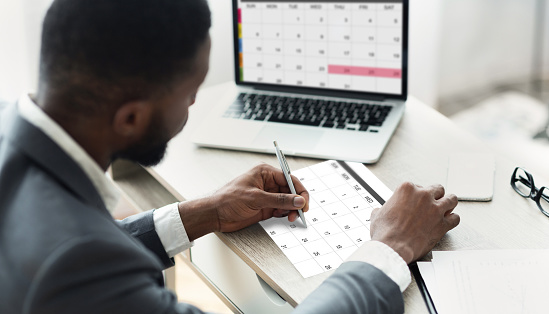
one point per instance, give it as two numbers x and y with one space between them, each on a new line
374 213
437 191
301 190
452 220
280 180
280 213
292 216
448 202
281 200
299 187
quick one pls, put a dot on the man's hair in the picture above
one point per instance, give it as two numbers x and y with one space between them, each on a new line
96 53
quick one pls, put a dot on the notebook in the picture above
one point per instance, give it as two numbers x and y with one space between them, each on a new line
326 79
342 195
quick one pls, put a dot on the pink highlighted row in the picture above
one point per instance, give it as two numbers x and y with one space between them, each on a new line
364 71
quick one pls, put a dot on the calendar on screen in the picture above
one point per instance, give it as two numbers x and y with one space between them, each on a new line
344 45
342 195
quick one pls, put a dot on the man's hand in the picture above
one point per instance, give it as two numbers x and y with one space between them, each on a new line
414 219
259 194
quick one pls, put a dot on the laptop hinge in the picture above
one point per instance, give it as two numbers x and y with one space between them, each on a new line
319 92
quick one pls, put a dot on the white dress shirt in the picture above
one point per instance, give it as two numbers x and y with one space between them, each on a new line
167 221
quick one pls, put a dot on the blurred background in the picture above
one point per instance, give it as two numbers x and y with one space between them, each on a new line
482 63
461 51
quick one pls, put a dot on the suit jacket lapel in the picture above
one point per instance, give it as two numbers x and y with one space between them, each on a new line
46 153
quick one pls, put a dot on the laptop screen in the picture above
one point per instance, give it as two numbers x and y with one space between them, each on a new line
351 46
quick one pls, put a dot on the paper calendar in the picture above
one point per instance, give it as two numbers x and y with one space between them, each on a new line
342 197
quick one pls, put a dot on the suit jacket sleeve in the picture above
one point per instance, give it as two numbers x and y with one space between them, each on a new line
141 226
93 275
355 287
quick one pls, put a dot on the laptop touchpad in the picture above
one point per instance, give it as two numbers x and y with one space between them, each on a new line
290 139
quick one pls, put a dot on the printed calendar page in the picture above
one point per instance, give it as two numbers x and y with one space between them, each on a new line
342 197
345 45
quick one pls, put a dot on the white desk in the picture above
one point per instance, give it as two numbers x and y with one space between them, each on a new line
418 152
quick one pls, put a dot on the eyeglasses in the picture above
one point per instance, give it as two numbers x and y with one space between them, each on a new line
523 183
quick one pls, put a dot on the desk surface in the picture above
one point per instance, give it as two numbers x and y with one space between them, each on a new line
418 152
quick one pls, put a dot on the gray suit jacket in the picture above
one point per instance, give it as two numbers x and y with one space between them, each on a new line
61 252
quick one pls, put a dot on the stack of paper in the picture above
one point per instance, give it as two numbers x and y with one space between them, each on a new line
499 281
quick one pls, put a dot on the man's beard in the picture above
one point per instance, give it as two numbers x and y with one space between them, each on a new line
150 150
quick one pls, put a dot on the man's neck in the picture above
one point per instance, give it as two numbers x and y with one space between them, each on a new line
88 133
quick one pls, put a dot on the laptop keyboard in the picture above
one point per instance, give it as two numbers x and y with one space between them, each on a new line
305 111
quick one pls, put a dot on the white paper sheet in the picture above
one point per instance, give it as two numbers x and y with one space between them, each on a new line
338 217
496 281
428 274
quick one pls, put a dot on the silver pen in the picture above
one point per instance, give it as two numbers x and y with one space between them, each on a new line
286 171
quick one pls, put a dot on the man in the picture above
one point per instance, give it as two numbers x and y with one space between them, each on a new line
116 80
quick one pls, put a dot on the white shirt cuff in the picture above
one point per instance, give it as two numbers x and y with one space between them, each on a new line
170 230
384 258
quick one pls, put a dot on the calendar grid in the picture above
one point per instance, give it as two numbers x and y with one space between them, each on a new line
340 45
338 219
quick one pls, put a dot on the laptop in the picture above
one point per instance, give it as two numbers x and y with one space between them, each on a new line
325 79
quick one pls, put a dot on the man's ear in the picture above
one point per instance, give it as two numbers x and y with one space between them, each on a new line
132 119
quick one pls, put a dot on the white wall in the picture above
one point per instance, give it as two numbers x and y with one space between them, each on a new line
221 55
20 27
546 46
485 43
424 43
14 73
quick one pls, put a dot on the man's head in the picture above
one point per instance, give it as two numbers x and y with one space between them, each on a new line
131 66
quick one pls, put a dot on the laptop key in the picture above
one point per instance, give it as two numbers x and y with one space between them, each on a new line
310 112
276 118
260 117
310 123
